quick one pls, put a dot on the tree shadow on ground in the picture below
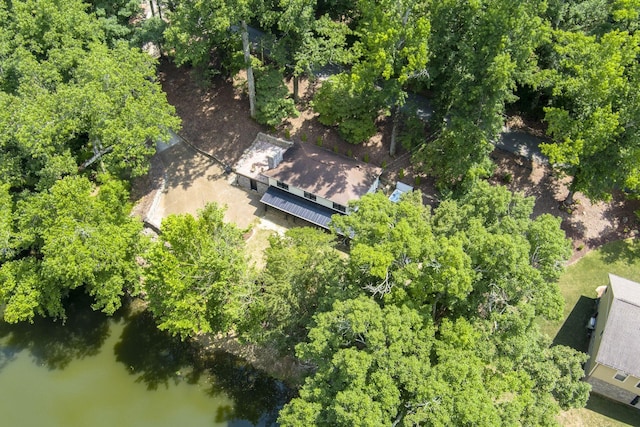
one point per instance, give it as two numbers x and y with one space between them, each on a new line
154 356
55 344
216 119
623 251
614 410
573 332
258 397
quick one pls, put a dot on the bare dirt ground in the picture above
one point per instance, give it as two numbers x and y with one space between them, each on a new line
216 120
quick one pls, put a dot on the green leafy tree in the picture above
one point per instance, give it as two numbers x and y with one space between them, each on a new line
392 49
303 275
516 260
69 99
294 22
479 52
386 367
396 255
595 110
196 279
370 365
351 104
70 236
196 29
272 102
476 255
123 109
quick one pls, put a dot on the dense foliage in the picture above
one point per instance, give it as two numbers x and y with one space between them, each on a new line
430 318
63 238
79 110
196 274
573 62
443 330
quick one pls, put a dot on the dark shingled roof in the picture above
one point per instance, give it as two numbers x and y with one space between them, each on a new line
324 173
298 207
620 345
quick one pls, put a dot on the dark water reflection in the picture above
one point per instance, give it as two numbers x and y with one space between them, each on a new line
55 344
240 395
158 360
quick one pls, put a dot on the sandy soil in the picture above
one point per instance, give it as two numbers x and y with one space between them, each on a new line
216 120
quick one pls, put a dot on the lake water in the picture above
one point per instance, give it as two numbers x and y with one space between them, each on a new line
121 371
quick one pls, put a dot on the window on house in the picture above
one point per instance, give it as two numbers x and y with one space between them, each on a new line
339 207
638 385
620 376
282 185
309 196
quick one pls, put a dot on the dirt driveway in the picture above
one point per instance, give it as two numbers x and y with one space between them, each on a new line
192 180
182 181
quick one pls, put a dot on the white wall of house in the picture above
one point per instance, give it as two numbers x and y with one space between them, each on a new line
298 192
245 182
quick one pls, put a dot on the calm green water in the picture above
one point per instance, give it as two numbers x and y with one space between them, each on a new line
95 371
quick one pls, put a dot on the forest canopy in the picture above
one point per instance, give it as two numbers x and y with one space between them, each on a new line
429 316
80 114
572 66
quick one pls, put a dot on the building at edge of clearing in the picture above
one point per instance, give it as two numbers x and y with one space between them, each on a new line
304 180
613 369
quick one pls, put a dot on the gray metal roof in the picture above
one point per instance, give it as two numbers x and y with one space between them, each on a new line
298 207
620 345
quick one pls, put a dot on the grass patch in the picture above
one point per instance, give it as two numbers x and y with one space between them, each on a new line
257 245
600 412
580 280
578 287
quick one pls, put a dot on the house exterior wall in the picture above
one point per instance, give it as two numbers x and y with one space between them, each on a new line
245 182
298 192
613 391
606 374
603 314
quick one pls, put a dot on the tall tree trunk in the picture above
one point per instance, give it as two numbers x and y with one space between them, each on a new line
247 60
296 84
153 13
568 201
158 5
395 113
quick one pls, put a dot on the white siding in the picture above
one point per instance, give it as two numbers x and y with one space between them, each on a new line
298 192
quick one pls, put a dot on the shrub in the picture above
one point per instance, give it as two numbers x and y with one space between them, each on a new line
401 174
303 137
417 180
349 104
272 102
365 158
350 152
412 129
384 164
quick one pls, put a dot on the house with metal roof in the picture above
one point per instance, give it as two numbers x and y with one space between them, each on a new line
304 180
613 368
